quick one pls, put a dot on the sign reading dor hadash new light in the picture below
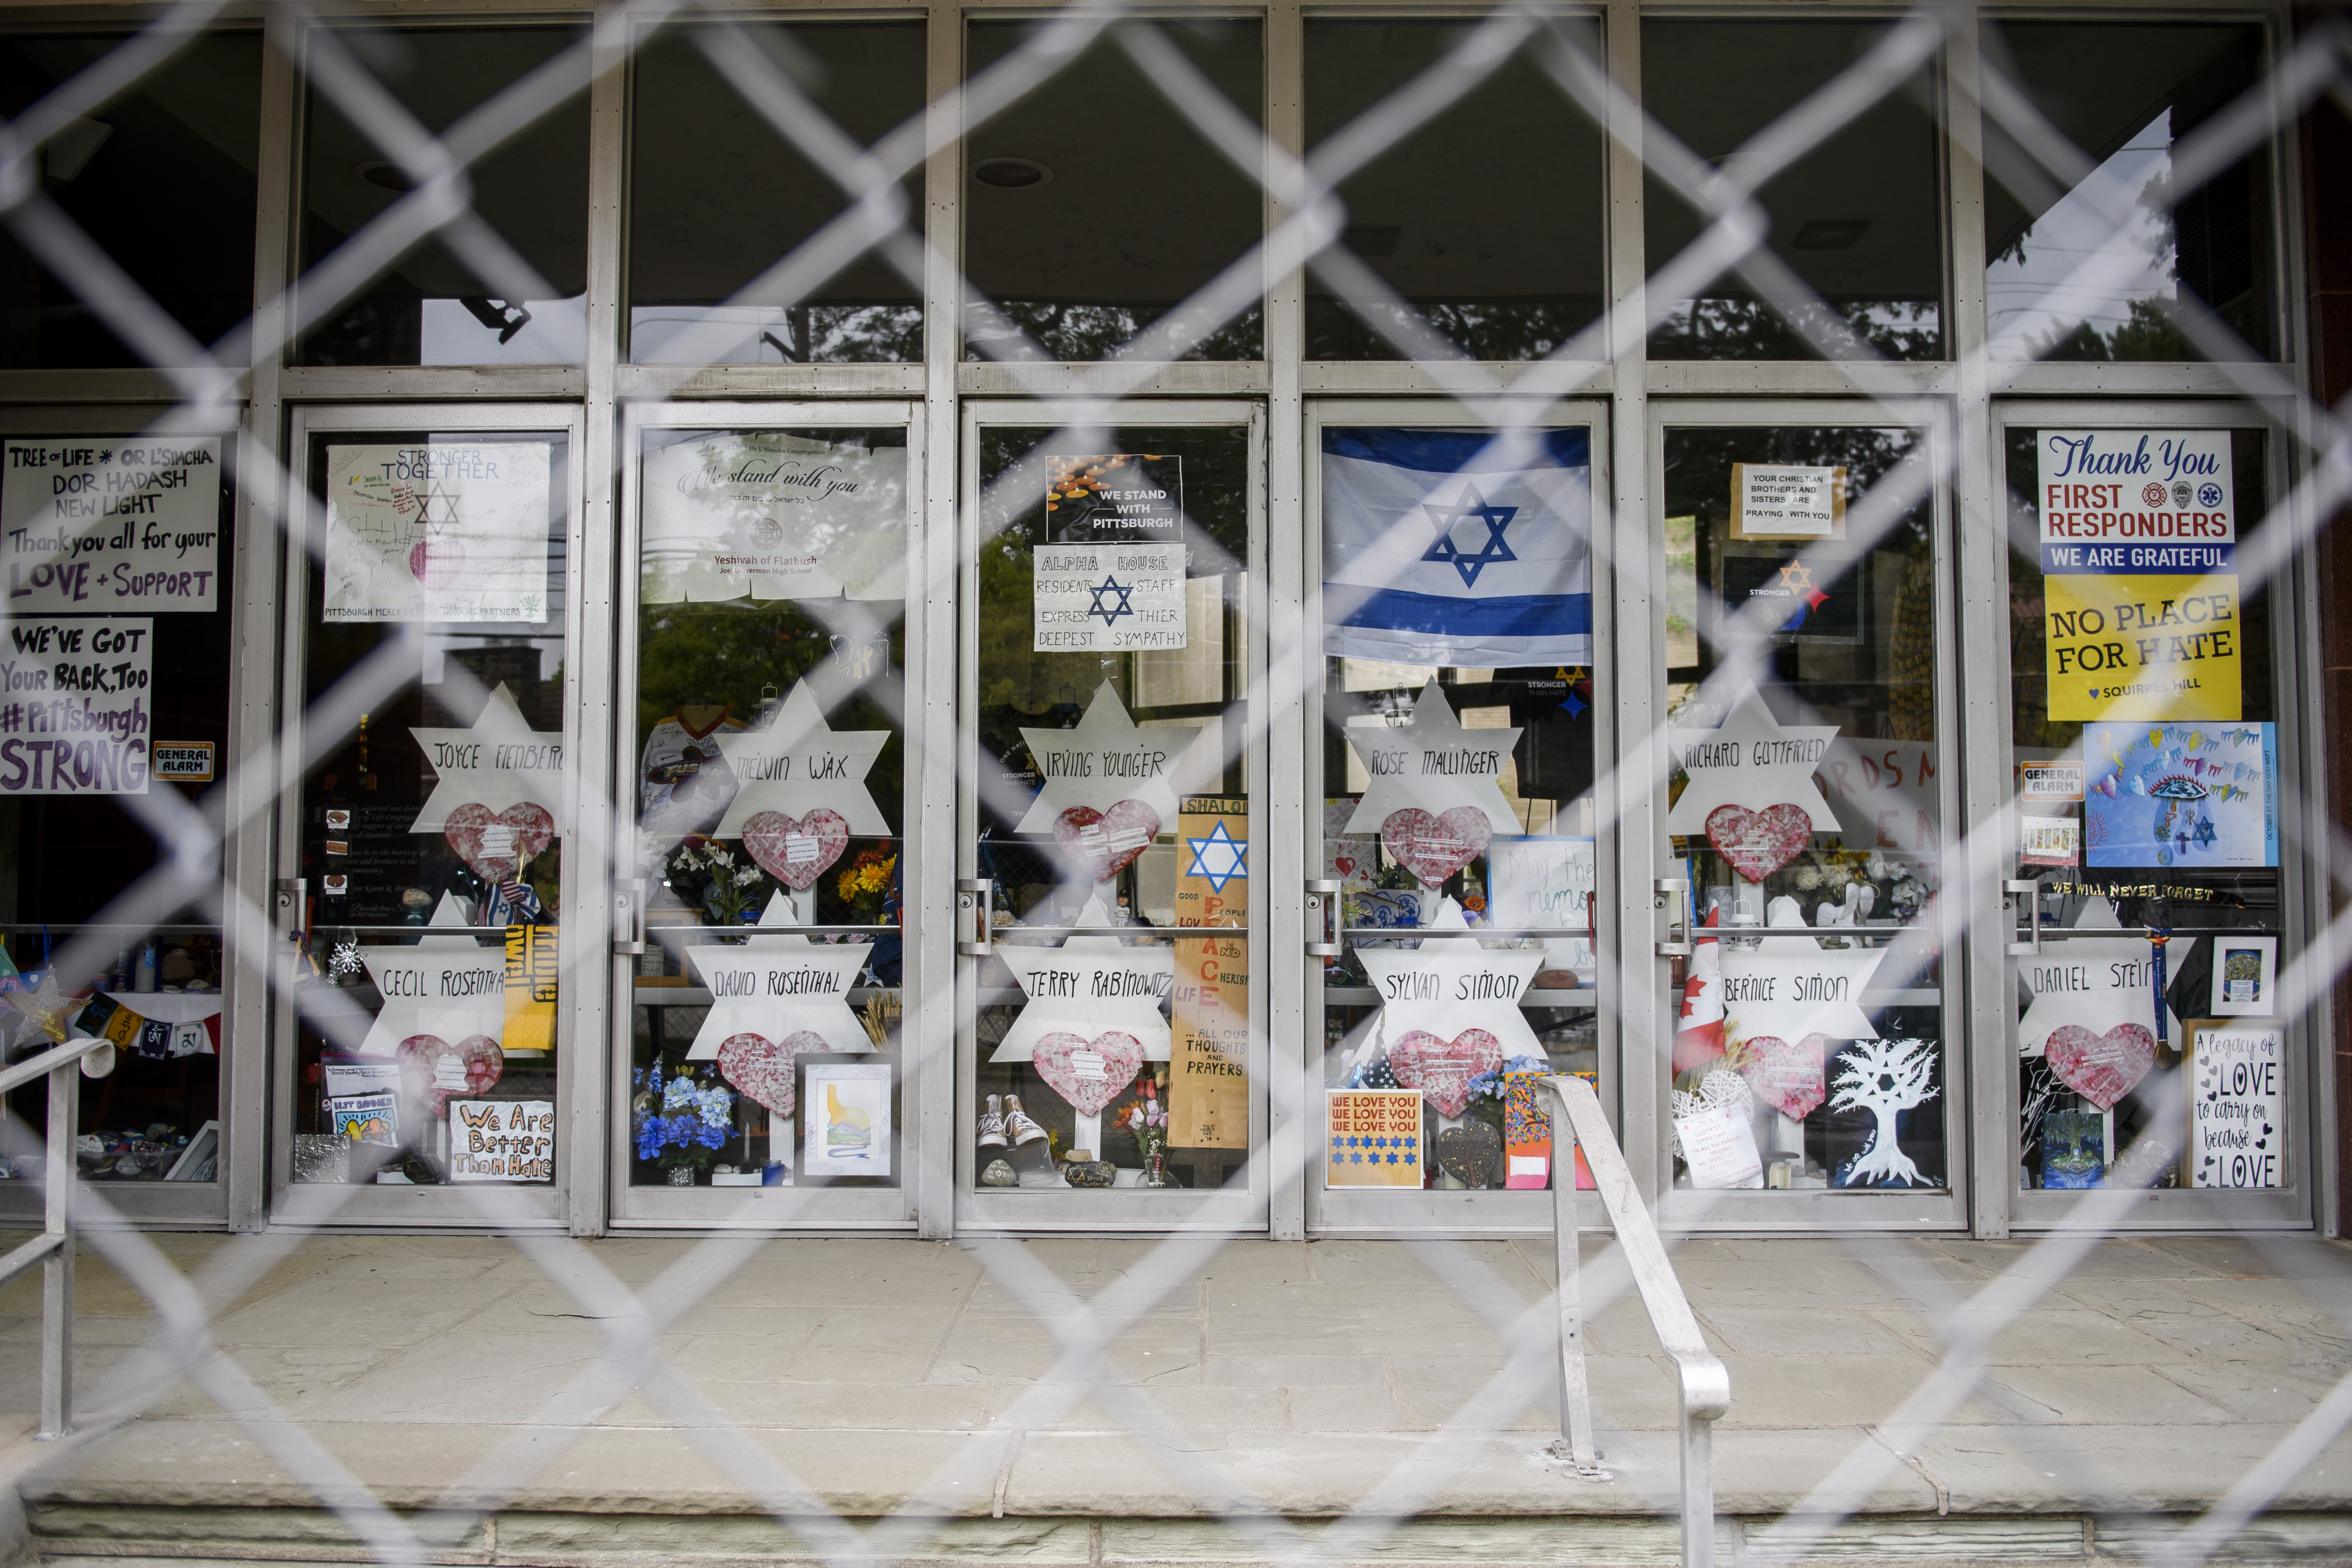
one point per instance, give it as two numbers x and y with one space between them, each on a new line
111 525
2139 533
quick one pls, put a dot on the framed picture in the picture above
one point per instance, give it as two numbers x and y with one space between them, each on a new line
845 1114
2245 975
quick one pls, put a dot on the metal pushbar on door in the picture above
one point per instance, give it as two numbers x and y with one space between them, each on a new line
1323 914
2031 910
629 918
1673 895
976 903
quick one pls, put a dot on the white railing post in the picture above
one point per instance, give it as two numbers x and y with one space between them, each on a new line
1575 1394
57 1267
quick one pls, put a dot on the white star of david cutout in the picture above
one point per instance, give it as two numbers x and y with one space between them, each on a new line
2096 984
1106 759
1754 761
1434 986
796 764
778 986
451 986
1090 985
1433 763
497 763
1792 986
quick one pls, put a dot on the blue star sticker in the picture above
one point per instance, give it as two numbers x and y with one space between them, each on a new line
1219 857
1471 505
1110 614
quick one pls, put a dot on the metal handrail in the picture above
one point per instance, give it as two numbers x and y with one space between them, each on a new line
1705 1383
53 1250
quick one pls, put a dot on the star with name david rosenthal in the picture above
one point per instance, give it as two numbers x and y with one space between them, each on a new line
1446 519
1219 857
1111 613
777 987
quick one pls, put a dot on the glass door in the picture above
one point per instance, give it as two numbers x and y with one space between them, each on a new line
1811 1073
1461 712
1111 1073
425 1008
765 759
2155 875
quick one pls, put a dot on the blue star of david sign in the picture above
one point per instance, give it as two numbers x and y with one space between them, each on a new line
1219 857
1444 519
1111 613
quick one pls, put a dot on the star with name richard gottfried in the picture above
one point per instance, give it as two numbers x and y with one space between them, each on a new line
1446 519
1219 857
1111 613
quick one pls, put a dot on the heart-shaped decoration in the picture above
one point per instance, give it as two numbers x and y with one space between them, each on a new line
795 850
495 844
1759 843
436 563
763 1068
1470 1152
1442 1069
427 1063
1721 1089
1089 1074
2101 1068
1787 1077
1106 841
1433 847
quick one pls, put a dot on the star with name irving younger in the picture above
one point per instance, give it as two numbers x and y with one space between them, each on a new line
1111 614
1446 519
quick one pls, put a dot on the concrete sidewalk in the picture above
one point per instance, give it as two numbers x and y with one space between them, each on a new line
1300 1380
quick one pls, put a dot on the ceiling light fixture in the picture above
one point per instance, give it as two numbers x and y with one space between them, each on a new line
1011 174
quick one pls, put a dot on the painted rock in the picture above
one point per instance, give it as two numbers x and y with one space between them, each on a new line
999 1174
1090 1172
1470 1152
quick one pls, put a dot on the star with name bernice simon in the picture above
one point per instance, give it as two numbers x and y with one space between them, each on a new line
816 997
1219 857
1446 519
1111 613
1754 761
1434 762
796 762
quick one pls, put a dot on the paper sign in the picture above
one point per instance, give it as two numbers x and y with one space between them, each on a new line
452 531
451 986
531 971
1373 1137
2143 647
2049 782
1720 1146
796 762
2051 841
845 1113
2182 796
1786 500
1208 1084
1433 763
1885 793
497 762
773 515
2095 983
1448 986
1128 497
2135 501
371 1118
502 1141
1540 883
1108 598
182 761
111 525
2237 1105
2245 975
76 704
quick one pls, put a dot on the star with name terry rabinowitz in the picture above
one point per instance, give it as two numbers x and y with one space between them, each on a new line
1752 760
1433 762
498 761
798 762
1111 613
1108 758
1219 857
1446 519
778 987
1089 985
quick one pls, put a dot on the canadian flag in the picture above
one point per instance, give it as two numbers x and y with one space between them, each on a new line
1699 1038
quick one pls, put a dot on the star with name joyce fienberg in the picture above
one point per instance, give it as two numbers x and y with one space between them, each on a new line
1111 613
1446 519
1219 857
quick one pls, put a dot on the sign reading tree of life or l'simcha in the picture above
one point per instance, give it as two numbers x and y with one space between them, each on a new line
770 514
102 524
2141 611
1109 577
455 530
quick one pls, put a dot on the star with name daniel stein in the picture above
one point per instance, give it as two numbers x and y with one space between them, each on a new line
1219 857
1754 761
1446 519
1436 763
1111 613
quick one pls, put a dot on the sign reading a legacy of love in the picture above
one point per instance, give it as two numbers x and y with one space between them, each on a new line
2140 534
76 705
1208 1086
111 524
773 515
455 530
2237 1105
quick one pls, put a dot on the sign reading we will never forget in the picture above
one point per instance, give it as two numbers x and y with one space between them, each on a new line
111 524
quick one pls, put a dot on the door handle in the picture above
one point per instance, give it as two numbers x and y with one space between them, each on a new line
293 892
629 918
2032 912
1673 895
976 904
1323 913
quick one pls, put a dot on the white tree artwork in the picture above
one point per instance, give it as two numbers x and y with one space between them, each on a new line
1885 1077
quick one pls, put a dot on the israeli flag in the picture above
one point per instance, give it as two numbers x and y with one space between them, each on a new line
1455 547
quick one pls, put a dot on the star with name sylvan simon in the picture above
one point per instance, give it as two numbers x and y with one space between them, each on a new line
1219 857
1446 519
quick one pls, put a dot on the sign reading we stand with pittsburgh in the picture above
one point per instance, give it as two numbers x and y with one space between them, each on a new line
2140 534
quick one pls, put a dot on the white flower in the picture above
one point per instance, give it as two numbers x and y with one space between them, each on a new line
721 856
687 859
747 876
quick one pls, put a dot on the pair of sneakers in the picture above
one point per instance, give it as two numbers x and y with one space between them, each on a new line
996 1123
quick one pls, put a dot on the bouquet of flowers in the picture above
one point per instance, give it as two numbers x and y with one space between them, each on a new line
1486 1090
680 1124
865 883
1147 1119
705 874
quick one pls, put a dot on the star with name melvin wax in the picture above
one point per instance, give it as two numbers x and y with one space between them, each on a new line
798 762
1751 759
1436 763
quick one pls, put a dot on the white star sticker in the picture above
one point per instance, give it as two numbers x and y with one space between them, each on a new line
1432 762
1089 985
778 986
1106 759
501 761
1446 986
1753 761
796 764
450 986
2096 984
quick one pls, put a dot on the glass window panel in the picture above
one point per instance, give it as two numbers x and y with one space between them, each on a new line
1838 632
2156 85
1859 219
186 140
438 611
1503 267
1093 208
719 197
771 766
426 306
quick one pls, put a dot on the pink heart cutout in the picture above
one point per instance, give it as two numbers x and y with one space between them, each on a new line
797 850
420 1059
1433 847
1056 1061
532 829
1442 1069
436 563
763 1068
1759 843
2101 1068
1789 1077
1106 841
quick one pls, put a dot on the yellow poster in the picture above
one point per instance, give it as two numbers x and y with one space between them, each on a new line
1374 1137
2143 647
1207 1088
530 988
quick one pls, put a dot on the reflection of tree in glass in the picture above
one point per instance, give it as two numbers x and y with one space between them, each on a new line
1482 329
1734 328
1080 333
